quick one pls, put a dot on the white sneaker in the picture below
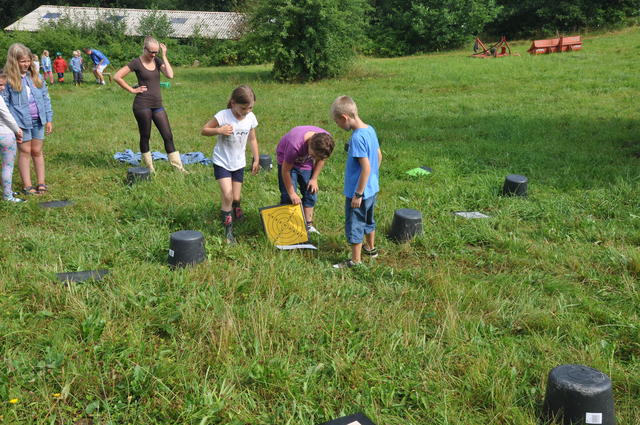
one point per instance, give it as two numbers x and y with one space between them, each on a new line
311 229
346 264
15 200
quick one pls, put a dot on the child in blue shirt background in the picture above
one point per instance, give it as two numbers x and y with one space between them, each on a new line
76 67
361 180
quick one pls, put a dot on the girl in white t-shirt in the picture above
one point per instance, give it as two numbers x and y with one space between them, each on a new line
234 126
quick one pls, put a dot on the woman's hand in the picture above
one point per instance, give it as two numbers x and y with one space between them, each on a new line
255 167
139 89
163 49
48 128
19 136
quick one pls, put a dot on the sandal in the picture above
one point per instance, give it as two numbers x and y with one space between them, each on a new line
42 188
30 190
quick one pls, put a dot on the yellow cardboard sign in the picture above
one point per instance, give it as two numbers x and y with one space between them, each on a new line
284 224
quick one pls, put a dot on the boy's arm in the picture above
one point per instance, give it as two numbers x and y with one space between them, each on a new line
313 181
286 179
362 181
253 143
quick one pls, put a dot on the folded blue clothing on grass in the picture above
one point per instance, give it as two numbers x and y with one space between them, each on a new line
187 158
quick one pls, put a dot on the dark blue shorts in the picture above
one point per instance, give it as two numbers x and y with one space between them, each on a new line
298 178
359 221
223 173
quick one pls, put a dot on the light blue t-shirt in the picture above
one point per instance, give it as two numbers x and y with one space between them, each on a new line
363 144
97 56
76 64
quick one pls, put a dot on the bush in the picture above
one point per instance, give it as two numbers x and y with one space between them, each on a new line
156 24
400 27
307 39
525 18
108 36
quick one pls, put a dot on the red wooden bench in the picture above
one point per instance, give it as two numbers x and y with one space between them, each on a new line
556 45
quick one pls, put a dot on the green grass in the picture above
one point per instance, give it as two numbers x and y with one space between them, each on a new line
460 326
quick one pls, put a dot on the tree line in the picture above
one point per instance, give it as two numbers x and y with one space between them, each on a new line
407 21
312 39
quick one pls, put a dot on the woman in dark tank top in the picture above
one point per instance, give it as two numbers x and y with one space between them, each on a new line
147 105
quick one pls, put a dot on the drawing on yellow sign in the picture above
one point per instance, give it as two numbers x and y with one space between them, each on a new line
284 224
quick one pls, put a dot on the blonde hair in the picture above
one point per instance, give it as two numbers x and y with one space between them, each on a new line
344 105
45 51
12 67
148 40
242 95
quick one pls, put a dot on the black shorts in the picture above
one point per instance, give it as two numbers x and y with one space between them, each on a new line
222 173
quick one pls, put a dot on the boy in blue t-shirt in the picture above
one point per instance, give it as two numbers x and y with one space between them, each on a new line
361 180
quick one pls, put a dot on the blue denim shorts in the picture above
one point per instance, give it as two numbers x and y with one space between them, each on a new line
36 132
359 221
223 173
298 178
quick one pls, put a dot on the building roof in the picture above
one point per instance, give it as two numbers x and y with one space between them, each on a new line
219 25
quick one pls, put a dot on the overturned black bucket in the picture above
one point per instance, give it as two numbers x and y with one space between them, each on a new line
515 185
136 174
405 225
578 394
266 164
186 247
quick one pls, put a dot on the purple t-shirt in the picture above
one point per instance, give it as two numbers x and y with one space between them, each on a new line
293 149
33 106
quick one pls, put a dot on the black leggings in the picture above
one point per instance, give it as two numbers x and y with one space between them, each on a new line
161 120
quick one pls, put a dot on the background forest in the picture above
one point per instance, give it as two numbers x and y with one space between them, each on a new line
400 27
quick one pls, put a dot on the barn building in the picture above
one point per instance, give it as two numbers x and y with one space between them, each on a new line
217 25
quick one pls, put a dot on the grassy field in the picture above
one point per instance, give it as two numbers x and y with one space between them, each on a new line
460 326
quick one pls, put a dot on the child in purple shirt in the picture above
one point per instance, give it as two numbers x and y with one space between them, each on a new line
301 154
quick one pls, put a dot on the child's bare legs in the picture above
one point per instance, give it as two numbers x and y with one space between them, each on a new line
235 205
29 150
356 251
226 189
370 240
308 214
24 163
38 159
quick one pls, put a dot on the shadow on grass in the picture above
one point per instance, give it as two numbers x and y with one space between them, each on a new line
565 152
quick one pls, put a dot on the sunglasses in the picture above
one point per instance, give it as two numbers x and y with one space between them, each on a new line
154 52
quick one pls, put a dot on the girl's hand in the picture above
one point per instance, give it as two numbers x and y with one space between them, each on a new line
255 168
312 187
163 49
19 136
226 130
140 89
295 199
48 128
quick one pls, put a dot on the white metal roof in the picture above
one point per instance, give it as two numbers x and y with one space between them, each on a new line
219 25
